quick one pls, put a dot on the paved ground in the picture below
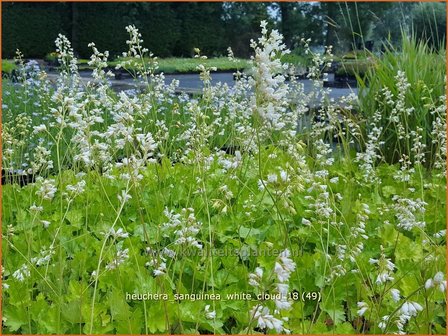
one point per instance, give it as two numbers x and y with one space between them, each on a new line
192 81
192 84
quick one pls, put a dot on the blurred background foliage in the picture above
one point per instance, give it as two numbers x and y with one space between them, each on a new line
175 29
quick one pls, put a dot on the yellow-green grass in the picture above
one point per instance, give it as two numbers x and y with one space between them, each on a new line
187 65
8 66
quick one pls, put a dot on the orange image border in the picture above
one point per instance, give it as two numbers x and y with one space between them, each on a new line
1 88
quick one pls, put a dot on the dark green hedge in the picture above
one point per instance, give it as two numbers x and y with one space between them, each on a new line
201 27
168 29
102 23
32 28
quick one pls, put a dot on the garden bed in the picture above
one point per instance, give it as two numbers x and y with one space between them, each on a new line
156 212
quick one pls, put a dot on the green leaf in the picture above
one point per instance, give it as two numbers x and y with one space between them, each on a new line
223 278
134 324
14 317
72 312
119 309
75 217
245 232
319 328
344 329
156 322
147 233
50 320
24 220
334 310
408 249
388 191
101 325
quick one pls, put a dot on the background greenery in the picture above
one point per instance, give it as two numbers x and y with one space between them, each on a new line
175 29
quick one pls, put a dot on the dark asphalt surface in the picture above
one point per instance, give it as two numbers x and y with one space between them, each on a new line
191 83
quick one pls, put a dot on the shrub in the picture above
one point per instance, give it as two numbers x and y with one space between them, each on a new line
356 55
51 58
421 73
296 59
355 67
8 66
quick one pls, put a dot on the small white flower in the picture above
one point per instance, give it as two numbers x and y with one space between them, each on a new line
36 208
40 128
169 253
382 325
255 278
45 223
116 234
265 320
395 294
161 270
22 273
78 188
362 308
440 234
334 179
272 178
411 308
124 197
44 256
305 221
283 304
210 315
47 190
383 277
385 268
283 289
438 281
284 266
284 175
120 257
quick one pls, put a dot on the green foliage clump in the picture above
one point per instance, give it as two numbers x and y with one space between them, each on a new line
355 55
189 65
354 67
296 59
424 71
8 66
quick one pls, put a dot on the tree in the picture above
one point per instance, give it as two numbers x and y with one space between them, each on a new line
242 23
201 26
300 20
429 23
395 20
349 24
330 11
103 24
160 27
